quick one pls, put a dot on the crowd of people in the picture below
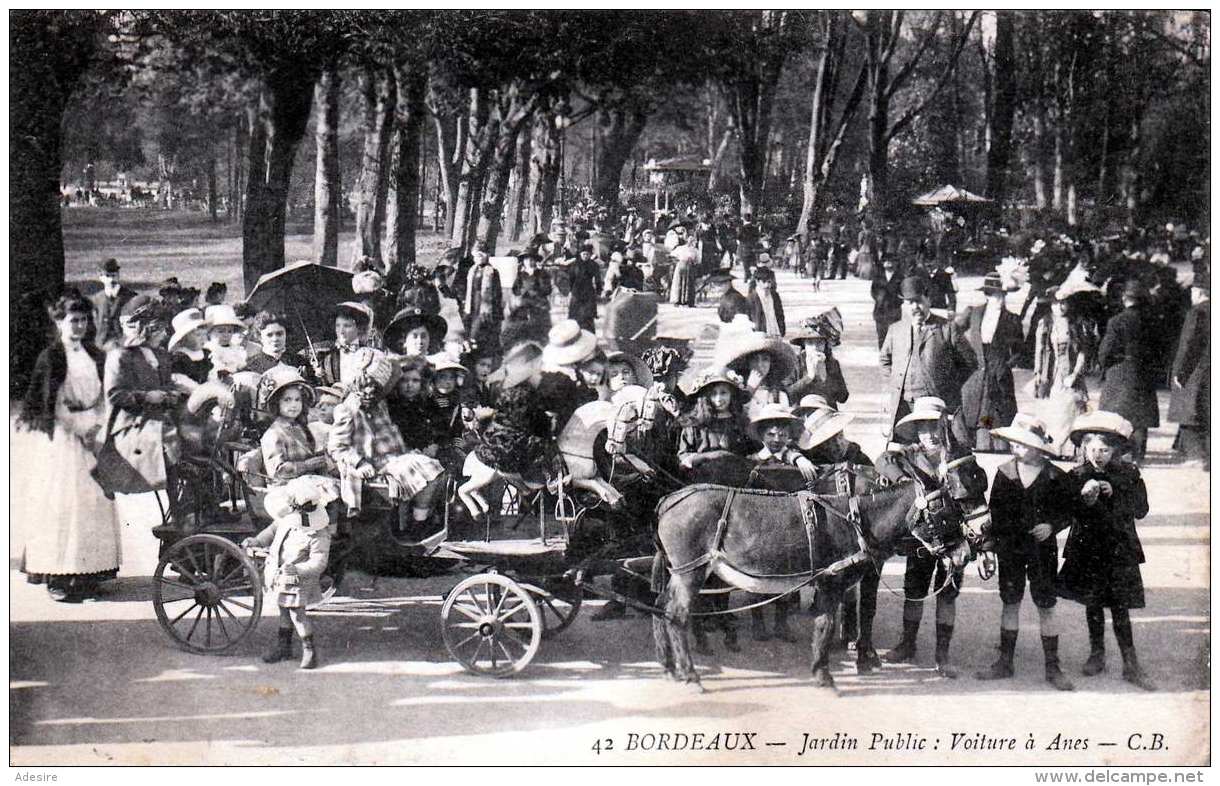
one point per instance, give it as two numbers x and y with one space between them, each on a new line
447 364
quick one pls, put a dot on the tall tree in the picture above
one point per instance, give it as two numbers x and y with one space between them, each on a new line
1003 107
326 174
380 101
411 78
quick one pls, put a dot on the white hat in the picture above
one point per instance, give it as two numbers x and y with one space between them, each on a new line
367 281
306 496
821 425
925 408
1101 422
812 402
185 323
771 413
1026 430
222 314
568 344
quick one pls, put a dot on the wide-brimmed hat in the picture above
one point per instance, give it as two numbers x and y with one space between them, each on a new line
770 413
821 425
184 323
410 318
925 409
357 311
307 497
143 309
715 376
279 378
993 284
513 370
783 359
643 374
827 326
1101 422
334 391
568 344
442 362
1026 430
222 314
914 288
367 281
813 402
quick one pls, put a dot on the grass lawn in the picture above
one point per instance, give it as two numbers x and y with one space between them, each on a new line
152 245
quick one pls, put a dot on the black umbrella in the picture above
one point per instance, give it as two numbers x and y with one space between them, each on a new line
306 293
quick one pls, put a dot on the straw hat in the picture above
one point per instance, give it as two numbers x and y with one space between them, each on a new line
306 496
643 375
783 359
277 379
925 408
821 425
770 413
1101 422
184 323
568 344
357 311
222 315
813 402
410 318
442 362
1026 430
713 377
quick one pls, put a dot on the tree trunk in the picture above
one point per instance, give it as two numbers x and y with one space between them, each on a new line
326 174
999 150
450 144
480 137
1038 157
544 173
377 85
518 185
713 175
412 81
621 129
283 116
213 192
751 101
237 189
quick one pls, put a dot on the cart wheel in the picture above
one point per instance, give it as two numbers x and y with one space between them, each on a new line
199 582
491 625
558 603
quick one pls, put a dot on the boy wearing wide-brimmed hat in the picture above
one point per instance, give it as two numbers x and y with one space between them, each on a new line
1027 511
923 433
823 440
1102 556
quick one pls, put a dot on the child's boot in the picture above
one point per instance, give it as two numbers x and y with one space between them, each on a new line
309 656
944 634
1054 674
1096 663
1133 673
282 649
1002 669
905 651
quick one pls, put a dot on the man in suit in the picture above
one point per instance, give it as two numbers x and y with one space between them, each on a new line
108 304
989 398
923 355
1190 378
887 301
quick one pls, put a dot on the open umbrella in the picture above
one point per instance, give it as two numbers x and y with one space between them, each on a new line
307 294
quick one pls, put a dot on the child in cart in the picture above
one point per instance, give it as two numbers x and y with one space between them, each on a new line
289 448
298 548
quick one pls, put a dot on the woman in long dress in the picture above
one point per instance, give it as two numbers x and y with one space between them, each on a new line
71 529
1060 359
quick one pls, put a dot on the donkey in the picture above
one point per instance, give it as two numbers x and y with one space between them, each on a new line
759 541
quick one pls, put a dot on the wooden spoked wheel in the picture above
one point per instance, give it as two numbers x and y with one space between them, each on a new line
491 625
558 603
207 594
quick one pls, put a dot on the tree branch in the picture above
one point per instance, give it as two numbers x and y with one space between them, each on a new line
911 114
904 73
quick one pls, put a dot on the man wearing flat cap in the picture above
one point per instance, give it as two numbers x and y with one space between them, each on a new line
108 304
923 355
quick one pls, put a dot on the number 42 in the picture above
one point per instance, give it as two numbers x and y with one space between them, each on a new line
603 745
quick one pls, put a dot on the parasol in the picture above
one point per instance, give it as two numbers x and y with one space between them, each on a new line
306 293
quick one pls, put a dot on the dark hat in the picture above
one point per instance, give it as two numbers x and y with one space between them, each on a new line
1135 289
410 318
993 284
914 288
110 266
143 308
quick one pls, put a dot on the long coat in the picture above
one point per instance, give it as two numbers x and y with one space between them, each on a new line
1128 383
106 316
759 317
943 353
1103 553
989 398
582 306
1190 405
887 302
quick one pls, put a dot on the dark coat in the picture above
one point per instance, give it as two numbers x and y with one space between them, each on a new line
1190 405
485 298
759 318
129 378
106 316
1102 555
887 302
50 371
853 456
944 354
1128 381
989 398
834 387
1015 510
582 306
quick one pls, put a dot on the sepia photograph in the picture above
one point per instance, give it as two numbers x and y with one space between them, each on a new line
626 387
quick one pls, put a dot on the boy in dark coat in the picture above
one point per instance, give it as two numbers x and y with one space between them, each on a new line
1027 510
1102 556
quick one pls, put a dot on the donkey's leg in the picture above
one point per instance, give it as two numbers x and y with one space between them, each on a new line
661 636
867 659
826 599
682 593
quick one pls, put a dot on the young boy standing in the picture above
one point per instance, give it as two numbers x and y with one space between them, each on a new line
1027 510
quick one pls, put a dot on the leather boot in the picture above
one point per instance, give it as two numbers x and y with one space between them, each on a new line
944 633
309 656
1054 674
281 649
1096 664
1133 673
905 651
1002 669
